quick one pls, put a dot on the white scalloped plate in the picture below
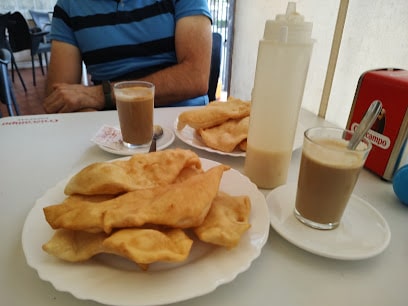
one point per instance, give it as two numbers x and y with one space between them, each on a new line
113 281
189 136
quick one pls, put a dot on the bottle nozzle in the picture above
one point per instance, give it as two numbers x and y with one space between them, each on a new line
291 8
289 27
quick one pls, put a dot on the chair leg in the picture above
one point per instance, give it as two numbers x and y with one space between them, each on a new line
84 75
12 69
10 110
9 104
41 63
46 60
13 97
14 65
33 69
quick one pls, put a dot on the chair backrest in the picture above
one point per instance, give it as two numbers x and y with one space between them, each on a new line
41 20
3 26
19 32
215 65
6 95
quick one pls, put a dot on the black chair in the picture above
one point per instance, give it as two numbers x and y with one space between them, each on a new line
215 66
21 37
6 90
4 43
42 21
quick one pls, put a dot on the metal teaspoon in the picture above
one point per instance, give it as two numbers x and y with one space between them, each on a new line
365 124
157 133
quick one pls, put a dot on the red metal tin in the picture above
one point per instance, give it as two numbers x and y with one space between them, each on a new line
389 133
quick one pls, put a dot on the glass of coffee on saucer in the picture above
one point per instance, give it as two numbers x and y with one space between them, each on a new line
327 176
135 104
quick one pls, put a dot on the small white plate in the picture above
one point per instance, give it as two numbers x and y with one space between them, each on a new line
162 143
189 136
362 233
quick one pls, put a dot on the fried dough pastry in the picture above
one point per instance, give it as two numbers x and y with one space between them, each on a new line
143 246
146 246
187 173
139 172
179 205
226 136
226 221
243 145
214 114
74 246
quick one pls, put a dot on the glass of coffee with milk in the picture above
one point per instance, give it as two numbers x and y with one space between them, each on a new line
135 104
328 173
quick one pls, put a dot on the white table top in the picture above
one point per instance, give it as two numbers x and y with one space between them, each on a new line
39 151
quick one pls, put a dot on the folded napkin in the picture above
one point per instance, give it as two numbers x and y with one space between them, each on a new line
109 136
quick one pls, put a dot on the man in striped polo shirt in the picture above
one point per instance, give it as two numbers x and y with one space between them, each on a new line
166 42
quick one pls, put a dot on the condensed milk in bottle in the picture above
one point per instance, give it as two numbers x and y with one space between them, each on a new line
282 65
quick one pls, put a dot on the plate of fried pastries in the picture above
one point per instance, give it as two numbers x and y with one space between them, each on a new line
220 127
142 229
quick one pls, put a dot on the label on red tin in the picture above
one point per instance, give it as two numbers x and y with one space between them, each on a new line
376 138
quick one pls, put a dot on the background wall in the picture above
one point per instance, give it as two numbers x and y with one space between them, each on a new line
24 5
375 36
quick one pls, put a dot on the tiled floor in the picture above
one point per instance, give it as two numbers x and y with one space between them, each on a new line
29 102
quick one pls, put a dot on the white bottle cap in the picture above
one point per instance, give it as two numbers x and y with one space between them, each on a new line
289 27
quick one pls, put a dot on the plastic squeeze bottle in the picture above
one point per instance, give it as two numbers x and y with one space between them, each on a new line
281 69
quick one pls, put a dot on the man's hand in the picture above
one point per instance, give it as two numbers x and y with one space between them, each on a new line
67 98
64 90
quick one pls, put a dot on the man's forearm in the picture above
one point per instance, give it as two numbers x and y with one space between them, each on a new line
178 83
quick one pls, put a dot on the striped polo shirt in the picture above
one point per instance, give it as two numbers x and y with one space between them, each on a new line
124 39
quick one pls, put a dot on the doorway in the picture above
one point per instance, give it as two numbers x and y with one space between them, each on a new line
223 20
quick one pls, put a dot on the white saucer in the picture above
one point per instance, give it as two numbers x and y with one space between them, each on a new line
162 143
362 233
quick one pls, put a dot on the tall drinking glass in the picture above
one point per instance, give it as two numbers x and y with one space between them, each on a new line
135 104
327 176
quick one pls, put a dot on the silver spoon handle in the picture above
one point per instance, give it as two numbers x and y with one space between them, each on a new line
365 124
153 145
